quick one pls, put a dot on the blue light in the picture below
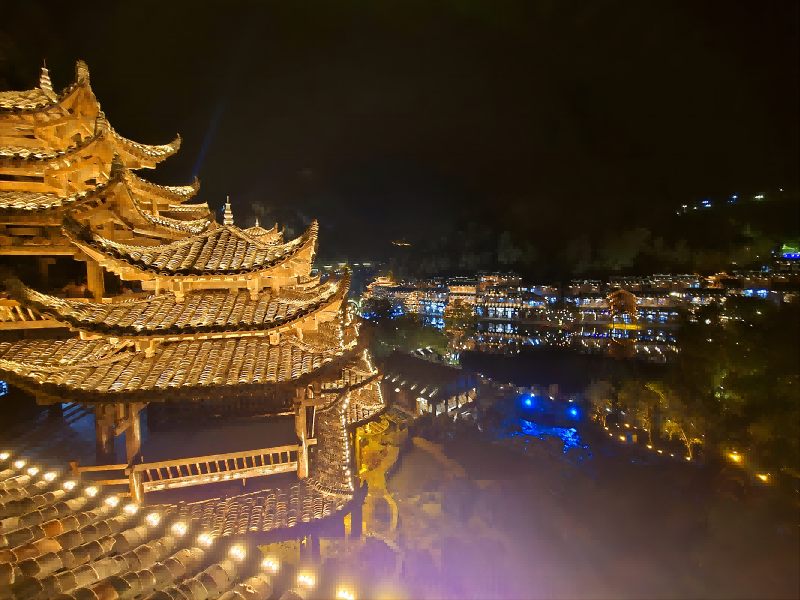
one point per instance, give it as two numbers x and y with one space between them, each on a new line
573 412
3 388
528 402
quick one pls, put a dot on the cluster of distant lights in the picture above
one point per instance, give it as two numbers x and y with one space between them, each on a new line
707 203
734 456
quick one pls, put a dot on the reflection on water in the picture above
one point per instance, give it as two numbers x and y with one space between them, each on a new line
650 341
569 436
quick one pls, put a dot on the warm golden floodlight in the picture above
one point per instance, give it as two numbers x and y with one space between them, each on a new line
179 528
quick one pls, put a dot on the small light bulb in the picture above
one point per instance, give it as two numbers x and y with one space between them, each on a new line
4 455
179 528
91 491
153 519
305 580
270 565
238 552
19 464
33 471
345 595
205 539
112 501
49 476
69 485
131 509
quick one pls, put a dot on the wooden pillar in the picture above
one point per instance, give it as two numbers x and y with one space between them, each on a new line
133 434
104 435
137 489
44 264
94 279
300 429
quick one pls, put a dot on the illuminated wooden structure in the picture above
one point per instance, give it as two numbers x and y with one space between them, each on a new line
623 303
231 313
60 156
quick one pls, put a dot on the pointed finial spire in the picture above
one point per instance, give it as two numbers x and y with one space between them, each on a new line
44 80
228 214
257 222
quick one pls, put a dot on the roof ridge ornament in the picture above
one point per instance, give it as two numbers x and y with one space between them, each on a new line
117 166
228 214
81 72
101 123
257 225
44 80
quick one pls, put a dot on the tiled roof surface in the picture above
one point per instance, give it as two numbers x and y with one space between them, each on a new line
46 154
265 510
27 100
188 208
80 542
184 368
201 311
33 201
53 355
25 152
223 250
38 99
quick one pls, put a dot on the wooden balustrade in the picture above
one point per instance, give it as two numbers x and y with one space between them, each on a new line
184 472
219 467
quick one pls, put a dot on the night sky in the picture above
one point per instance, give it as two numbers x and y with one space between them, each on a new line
386 119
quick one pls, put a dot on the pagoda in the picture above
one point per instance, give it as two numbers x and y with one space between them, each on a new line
228 315
60 156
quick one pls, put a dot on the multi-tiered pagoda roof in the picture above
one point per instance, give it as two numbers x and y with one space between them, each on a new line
226 315
59 155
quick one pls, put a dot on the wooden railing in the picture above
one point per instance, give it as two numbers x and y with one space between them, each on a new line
77 471
218 467
184 472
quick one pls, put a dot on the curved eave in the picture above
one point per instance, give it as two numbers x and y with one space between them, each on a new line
119 257
146 155
193 227
74 314
172 193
